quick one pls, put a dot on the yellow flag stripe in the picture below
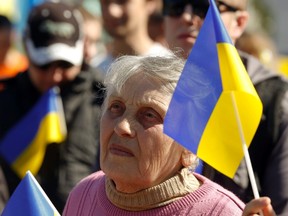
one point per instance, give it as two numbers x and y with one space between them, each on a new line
221 135
32 158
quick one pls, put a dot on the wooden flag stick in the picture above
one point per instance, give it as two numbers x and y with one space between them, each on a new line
245 150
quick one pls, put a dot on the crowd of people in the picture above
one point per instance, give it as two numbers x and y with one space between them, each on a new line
116 159
54 43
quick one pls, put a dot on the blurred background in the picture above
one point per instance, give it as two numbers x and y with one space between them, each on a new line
269 21
266 38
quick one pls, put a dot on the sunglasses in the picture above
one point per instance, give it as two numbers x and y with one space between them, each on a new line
176 8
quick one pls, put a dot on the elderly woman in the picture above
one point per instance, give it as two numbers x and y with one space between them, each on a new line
145 172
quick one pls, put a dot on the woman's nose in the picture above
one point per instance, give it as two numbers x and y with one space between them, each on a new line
125 127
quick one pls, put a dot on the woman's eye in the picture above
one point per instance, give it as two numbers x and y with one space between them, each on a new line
116 107
149 116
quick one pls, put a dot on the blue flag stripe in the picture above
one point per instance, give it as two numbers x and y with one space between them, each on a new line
220 31
197 91
29 199
24 132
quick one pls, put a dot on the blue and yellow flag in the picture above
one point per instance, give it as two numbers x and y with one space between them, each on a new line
29 199
24 145
201 115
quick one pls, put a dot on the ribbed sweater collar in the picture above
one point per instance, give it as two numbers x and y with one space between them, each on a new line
168 191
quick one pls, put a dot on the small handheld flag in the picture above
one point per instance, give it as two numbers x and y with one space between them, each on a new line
215 107
24 145
29 199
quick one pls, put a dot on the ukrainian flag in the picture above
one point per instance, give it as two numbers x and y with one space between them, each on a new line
29 199
213 90
24 145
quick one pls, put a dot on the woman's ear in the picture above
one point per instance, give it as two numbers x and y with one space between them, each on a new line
187 158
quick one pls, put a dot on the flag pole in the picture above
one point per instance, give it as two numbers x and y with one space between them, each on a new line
245 150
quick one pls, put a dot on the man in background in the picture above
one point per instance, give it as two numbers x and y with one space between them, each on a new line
127 24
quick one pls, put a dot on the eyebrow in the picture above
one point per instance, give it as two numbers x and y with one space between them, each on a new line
151 102
157 105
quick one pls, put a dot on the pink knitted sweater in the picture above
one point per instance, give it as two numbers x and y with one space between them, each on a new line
89 198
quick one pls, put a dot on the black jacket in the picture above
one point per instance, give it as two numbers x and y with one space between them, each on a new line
65 164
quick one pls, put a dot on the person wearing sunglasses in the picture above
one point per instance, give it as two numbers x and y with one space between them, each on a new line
269 148
54 44
184 18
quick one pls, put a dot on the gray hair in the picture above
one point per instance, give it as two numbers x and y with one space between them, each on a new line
165 70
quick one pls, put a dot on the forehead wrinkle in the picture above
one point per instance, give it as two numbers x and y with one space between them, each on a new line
152 99
143 91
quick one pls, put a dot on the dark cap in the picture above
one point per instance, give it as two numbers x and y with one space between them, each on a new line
54 33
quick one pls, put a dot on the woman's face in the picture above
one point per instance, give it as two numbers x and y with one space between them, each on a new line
135 153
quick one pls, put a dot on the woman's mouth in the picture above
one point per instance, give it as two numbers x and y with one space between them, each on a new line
120 151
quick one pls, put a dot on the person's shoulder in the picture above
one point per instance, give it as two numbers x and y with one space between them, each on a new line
5 83
9 92
226 198
84 196
255 69
91 181
12 83
212 199
272 89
